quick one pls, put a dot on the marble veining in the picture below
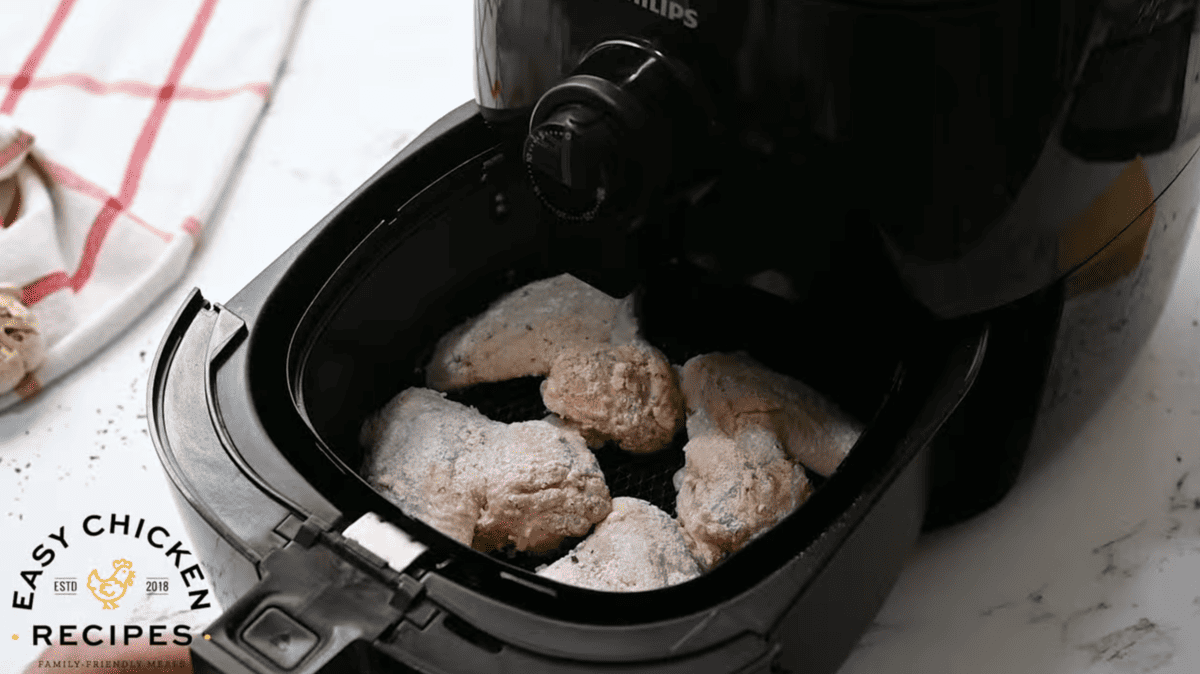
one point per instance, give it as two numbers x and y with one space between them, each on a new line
1141 647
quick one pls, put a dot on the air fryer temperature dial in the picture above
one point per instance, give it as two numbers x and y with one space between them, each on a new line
606 138
572 157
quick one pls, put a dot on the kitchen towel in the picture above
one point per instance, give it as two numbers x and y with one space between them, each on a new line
121 122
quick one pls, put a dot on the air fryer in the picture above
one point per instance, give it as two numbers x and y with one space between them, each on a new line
922 210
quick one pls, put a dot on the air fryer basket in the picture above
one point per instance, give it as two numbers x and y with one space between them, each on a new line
369 334
648 477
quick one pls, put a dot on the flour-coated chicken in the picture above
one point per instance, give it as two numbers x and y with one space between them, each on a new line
635 549
738 392
481 482
627 393
602 377
734 488
522 333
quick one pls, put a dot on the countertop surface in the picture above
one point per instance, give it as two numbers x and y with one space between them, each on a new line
1091 564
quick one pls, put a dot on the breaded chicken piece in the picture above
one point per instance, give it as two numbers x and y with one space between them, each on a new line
734 488
602 377
636 548
737 392
627 393
522 333
481 482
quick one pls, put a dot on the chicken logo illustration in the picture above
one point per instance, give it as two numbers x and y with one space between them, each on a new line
109 590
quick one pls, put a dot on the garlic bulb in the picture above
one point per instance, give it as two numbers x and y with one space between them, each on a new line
22 349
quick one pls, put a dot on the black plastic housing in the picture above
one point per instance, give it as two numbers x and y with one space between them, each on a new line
968 132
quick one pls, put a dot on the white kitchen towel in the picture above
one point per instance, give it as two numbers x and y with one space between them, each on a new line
120 125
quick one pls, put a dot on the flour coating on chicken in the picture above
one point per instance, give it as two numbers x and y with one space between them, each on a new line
627 393
481 482
737 392
602 377
734 489
635 549
522 333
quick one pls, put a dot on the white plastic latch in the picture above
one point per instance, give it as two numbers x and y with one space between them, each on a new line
384 539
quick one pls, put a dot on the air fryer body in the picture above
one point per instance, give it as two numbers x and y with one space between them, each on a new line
958 220
973 135
1012 159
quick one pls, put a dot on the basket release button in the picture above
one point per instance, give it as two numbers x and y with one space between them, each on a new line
278 637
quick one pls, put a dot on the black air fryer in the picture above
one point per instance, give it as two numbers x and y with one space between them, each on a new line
951 218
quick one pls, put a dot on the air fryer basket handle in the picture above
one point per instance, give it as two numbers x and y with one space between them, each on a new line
318 596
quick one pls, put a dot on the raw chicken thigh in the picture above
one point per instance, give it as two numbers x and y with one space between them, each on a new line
603 377
482 482
628 393
737 392
734 488
636 548
522 333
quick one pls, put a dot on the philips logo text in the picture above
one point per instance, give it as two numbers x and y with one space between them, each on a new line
671 10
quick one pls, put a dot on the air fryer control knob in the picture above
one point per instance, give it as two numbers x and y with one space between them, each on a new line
572 158
606 138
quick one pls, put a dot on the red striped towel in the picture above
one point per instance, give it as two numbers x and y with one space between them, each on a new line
120 123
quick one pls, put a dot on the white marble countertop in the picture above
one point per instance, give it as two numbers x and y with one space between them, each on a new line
1091 564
